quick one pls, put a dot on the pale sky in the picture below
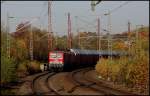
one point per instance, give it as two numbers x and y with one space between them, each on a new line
135 11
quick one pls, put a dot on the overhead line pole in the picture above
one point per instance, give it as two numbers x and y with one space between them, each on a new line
78 31
129 35
31 43
98 33
109 36
138 37
69 32
49 27
8 37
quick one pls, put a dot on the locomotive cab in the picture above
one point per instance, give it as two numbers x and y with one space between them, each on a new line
56 61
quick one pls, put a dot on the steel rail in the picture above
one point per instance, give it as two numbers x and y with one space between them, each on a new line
33 82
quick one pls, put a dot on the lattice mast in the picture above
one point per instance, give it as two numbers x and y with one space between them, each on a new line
69 32
31 43
8 37
129 35
109 35
98 33
49 26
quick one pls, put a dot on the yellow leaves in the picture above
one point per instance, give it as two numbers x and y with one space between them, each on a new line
83 34
119 45
133 72
33 67
140 72
21 43
28 67
115 68
22 67
102 67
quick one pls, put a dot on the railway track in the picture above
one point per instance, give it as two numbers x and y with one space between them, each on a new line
80 80
40 85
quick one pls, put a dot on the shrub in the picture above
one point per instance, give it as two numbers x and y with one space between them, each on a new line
33 67
102 68
22 69
22 66
139 73
132 72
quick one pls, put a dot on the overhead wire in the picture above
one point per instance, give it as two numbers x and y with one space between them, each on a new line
41 15
113 10
86 22
42 9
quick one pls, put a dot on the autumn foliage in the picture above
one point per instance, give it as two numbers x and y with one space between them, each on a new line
133 70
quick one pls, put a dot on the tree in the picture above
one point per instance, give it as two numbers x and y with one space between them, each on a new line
8 65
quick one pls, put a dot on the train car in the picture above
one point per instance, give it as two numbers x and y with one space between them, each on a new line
77 58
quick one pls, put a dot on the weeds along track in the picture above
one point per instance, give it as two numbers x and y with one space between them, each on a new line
40 85
80 79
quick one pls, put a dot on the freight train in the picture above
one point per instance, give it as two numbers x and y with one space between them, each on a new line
77 58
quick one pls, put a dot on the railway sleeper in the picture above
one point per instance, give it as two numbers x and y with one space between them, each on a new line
88 85
73 88
61 89
80 85
42 93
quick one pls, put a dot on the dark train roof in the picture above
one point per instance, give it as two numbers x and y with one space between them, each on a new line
95 52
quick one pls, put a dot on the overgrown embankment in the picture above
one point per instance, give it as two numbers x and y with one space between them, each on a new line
131 71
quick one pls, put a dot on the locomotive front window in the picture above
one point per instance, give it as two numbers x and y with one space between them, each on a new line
53 55
59 55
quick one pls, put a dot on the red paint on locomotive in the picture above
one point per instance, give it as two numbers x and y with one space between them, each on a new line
56 58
